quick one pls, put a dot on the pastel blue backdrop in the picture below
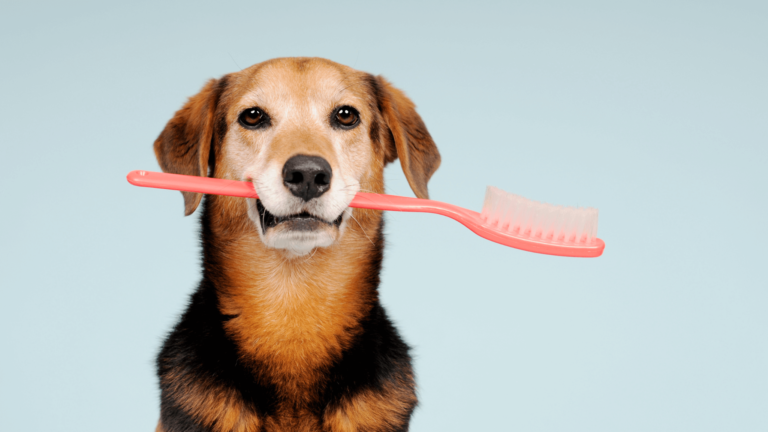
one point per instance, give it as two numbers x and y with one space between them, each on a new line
654 112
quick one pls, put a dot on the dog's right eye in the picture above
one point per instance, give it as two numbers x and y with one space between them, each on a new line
254 118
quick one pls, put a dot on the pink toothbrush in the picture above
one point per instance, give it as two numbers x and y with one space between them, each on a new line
506 219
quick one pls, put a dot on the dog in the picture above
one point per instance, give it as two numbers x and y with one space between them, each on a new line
285 331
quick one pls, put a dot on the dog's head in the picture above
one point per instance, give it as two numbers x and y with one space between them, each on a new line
309 133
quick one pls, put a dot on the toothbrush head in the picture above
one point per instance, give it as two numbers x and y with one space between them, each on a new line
524 218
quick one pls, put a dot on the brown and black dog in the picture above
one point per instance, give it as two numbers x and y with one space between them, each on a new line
285 331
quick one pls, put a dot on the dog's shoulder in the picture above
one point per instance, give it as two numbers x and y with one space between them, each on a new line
202 379
372 386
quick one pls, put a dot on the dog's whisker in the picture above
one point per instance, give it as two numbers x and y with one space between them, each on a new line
233 60
310 257
361 227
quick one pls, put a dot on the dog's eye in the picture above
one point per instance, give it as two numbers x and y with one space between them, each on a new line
254 118
346 117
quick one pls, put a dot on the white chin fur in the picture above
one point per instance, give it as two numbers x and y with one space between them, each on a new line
299 243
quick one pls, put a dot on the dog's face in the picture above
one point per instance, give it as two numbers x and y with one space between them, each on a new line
301 134
309 134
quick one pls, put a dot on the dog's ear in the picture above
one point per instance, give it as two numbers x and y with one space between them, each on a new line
408 139
184 146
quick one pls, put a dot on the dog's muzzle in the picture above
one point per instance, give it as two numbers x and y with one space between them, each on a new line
303 221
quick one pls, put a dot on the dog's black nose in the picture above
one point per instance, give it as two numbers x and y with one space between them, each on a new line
307 177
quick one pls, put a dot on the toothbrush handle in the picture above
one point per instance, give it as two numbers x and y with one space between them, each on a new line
245 189
188 183
406 204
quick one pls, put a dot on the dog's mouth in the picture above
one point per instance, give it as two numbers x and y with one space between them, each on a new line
303 221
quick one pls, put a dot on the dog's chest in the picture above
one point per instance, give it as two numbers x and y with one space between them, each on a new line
294 328
293 420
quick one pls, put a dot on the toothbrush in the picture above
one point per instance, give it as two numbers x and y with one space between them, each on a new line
506 219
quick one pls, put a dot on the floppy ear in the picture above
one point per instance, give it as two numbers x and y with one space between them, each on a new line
184 146
412 143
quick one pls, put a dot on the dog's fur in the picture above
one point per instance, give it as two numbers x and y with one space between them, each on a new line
285 331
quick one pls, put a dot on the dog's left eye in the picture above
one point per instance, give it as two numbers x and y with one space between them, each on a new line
254 118
346 117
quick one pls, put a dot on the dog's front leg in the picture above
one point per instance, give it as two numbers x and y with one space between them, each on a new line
384 410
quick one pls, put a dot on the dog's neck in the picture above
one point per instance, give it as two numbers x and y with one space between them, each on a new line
291 317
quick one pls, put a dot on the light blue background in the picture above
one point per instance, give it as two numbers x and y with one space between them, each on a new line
654 112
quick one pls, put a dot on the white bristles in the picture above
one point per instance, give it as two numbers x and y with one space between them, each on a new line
526 218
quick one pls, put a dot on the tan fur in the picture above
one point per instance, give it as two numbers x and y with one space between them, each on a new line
372 411
184 144
305 310
413 144
215 407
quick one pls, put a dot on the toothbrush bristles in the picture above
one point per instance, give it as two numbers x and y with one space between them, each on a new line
524 218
